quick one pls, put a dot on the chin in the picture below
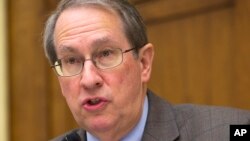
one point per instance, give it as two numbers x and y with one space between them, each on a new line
101 124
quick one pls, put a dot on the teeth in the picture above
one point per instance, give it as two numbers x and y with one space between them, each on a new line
94 101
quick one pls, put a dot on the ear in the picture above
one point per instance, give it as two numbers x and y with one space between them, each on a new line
146 56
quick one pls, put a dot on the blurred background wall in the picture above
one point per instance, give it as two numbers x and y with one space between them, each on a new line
202 56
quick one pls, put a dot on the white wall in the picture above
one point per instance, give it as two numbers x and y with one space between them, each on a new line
3 75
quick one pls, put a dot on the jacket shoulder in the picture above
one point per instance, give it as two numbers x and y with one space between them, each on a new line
211 122
221 114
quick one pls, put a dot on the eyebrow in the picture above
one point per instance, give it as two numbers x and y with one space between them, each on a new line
64 49
94 45
103 41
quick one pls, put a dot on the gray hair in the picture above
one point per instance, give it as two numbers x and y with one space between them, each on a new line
133 25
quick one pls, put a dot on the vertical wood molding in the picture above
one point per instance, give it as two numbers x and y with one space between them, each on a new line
3 75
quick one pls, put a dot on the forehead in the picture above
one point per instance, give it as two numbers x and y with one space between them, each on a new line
88 11
87 15
86 20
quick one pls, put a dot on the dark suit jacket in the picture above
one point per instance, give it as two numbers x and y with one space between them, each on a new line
186 122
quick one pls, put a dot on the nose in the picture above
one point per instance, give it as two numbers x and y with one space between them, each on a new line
90 77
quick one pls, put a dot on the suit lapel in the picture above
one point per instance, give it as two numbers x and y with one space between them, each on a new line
161 124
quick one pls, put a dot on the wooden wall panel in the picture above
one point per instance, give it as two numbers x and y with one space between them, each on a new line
28 89
202 56
197 55
221 43
193 54
241 58
153 11
168 71
38 110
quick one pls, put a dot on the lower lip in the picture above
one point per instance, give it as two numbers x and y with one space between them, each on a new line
93 108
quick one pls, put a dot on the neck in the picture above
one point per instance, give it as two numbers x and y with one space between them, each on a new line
117 133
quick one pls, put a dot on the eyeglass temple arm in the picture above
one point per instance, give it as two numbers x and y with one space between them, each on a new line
125 51
57 63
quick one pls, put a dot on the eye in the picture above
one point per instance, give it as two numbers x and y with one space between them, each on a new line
71 60
105 53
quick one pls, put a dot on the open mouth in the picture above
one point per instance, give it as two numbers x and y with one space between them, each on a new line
95 104
94 101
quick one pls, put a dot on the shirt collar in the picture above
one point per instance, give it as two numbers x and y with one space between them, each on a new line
137 132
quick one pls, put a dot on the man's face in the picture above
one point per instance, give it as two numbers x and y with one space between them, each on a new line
107 100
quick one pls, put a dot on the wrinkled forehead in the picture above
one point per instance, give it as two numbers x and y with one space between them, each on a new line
106 9
86 14
75 19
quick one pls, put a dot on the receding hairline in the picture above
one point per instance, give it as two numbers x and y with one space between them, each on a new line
91 5
98 7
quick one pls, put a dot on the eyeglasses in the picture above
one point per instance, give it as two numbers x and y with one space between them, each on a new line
103 58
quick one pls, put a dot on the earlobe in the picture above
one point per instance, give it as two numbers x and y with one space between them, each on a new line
146 56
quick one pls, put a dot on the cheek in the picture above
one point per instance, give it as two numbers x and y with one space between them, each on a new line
68 87
128 96
131 76
70 92
126 83
124 77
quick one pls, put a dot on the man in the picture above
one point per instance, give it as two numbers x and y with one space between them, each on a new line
100 51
